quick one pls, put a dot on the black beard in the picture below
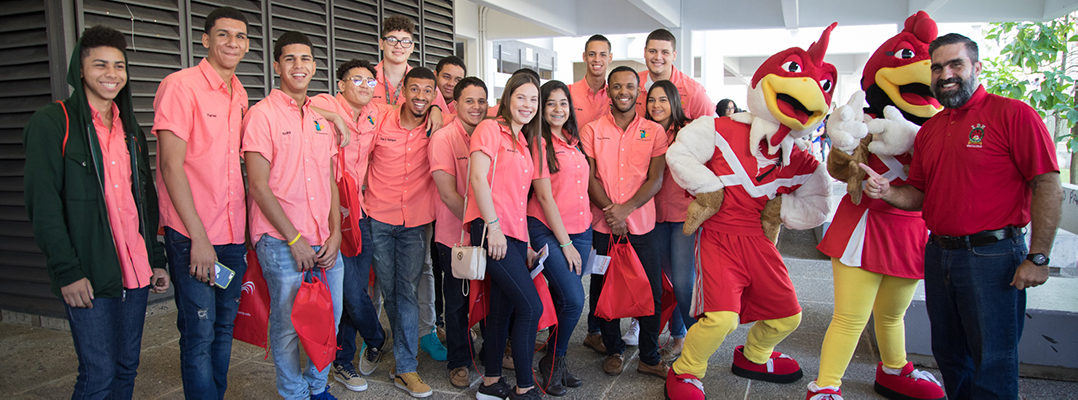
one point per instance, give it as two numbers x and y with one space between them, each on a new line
956 98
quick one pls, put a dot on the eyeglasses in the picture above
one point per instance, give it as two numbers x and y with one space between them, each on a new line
371 82
392 41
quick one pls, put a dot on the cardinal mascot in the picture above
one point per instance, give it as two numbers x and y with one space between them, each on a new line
877 251
750 173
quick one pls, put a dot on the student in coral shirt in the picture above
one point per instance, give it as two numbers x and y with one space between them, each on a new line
290 153
559 217
625 154
450 71
448 153
500 172
659 55
198 113
676 251
355 80
400 202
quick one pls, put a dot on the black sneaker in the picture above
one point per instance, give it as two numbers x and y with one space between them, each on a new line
498 391
532 394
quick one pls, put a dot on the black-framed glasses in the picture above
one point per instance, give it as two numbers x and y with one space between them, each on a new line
371 82
392 41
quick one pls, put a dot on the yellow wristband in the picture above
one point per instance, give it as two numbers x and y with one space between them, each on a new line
294 239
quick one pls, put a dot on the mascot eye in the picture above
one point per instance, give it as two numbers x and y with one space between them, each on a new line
904 54
791 66
825 85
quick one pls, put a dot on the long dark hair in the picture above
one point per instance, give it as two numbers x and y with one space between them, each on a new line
677 114
720 108
573 131
531 129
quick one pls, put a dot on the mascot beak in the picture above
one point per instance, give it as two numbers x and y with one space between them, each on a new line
796 102
908 87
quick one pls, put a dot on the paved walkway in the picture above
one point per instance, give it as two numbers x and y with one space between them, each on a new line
40 363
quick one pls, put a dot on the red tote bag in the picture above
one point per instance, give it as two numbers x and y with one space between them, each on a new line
312 316
351 212
252 318
668 300
550 315
626 291
478 301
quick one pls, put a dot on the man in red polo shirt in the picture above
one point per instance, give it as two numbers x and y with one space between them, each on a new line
626 156
659 55
983 169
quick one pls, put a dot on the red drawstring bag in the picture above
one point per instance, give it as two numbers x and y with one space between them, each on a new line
351 212
626 291
668 300
550 315
478 301
252 318
312 317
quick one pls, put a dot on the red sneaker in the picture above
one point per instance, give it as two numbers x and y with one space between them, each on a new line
823 393
910 384
683 387
780 368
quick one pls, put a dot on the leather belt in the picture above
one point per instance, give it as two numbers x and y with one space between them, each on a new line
982 238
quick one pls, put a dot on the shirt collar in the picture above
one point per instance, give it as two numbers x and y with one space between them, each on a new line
213 78
97 118
976 99
584 82
279 95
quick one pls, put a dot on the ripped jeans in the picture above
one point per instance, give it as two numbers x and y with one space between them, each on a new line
205 316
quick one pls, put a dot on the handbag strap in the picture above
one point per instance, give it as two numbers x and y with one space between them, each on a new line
467 185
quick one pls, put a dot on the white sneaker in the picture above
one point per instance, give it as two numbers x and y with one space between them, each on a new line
632 337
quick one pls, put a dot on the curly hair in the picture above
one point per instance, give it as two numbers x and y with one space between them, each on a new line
398 23
101 36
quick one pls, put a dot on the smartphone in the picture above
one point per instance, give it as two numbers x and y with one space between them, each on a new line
223 276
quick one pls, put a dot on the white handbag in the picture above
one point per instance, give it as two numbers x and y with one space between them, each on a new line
470 262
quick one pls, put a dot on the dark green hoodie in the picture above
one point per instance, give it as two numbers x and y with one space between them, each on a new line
65 192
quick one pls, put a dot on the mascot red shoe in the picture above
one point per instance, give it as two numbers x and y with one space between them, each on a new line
750 173
877 251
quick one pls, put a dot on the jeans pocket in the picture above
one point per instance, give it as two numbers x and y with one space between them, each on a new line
1000 249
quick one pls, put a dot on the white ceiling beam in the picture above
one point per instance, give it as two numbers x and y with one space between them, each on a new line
666 12
556 15
791 13
929 6
1057 8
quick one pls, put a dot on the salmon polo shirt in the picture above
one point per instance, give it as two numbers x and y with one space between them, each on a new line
622 160
356 155
120 202
400 190
589 105
448 152
511 169
194 104
568 186
301 149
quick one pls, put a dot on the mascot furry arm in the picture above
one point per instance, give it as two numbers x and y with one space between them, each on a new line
791 93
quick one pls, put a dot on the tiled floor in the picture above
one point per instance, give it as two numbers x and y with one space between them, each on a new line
41 364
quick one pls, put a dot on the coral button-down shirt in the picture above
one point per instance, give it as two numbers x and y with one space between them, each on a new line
448 152
622 160
569 186
194 104
356 155
400 190
301 149
120 202
511 169
589 105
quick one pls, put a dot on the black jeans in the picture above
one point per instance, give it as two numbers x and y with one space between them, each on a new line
456 312
649 325
512 294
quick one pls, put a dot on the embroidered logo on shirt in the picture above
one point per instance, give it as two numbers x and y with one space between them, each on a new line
976 136
370 119
317 126
643 134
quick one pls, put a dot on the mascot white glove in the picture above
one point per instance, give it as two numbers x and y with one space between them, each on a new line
846 126
893 134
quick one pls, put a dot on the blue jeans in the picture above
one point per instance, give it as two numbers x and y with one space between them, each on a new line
457 338
565 287
283 280
677 254
398 263
976 317
644 245
205 316
108 338
359 313
512 294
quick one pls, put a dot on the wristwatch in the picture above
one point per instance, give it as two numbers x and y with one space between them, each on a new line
1038 259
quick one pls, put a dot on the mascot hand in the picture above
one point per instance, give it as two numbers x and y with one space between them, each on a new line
893 134
847 124
771 219
703 207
